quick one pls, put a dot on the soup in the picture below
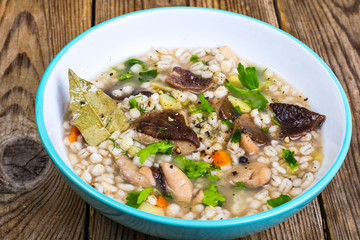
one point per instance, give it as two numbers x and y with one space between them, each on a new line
193 134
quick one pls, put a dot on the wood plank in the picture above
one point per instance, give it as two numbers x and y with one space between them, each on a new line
332 31
294 228
35 202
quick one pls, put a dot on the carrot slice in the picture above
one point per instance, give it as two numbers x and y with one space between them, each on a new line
162 202
221 158
74 134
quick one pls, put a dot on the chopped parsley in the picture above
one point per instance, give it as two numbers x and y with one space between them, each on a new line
125 76
168 196
203 107
289 158
212 177
147 76
238 109
275 202
159 147
275 121
193 169
265 129
240 185
228 123
132 61
236 136
212 197
194 58
249 79
135 199
134 104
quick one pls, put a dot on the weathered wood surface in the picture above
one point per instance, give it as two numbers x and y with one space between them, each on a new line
35 203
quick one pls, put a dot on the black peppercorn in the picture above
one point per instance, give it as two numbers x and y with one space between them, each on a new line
243 160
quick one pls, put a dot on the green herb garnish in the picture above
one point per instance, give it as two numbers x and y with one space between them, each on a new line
194 58
192 169
275 202
147 76
240 185
265 129
115 144
125 76
212 177
159 147
228 123
168 196
275 121
248 77
135 199
132 61
134 104
212 197
289 158
236 136
203 107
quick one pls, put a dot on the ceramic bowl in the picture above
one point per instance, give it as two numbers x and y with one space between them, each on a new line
132 34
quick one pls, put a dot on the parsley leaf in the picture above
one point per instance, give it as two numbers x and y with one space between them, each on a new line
194 58
228 123
159 147
212 177
248 77
125 76
134 104
236 136
203 107
275 202
168 196
135 199
275 121
240 185
212 197
192 169
255 98
132 61
289 158
147 76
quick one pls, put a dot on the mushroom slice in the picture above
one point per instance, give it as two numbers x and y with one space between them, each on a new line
248 145
113 93
186 80
295 121
254 175
224 108
166 124
246 125
133 174
178 183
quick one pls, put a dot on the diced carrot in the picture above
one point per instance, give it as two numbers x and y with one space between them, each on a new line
162 202
221 158
74 134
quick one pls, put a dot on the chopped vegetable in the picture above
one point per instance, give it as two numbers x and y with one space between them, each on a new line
228 123
161 202
240 185
194 58
159 147
74 133
168 196
147 76
135 199
221 158
265 129
248 77
133 150
192 169
147 207
256 99
134 104
212 197
203 107
132 61
125 76
275 121
236 136
212 177
238 103
169 102
275 202
289 158
114 144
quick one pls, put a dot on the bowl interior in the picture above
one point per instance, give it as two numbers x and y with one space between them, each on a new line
252 40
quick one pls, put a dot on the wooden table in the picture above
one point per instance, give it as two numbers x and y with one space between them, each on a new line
36 203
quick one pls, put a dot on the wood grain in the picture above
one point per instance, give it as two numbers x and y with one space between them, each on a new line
35 202
295 227
333 32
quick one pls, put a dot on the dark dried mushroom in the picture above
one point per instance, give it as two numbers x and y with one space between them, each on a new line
112 93
295 121
246 125
224 108
159 179
186 80
166 124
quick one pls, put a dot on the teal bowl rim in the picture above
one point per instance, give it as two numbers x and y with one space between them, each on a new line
296 203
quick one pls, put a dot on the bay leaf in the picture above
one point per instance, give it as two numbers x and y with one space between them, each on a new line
95 114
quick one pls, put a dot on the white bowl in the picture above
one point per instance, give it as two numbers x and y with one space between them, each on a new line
132 34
